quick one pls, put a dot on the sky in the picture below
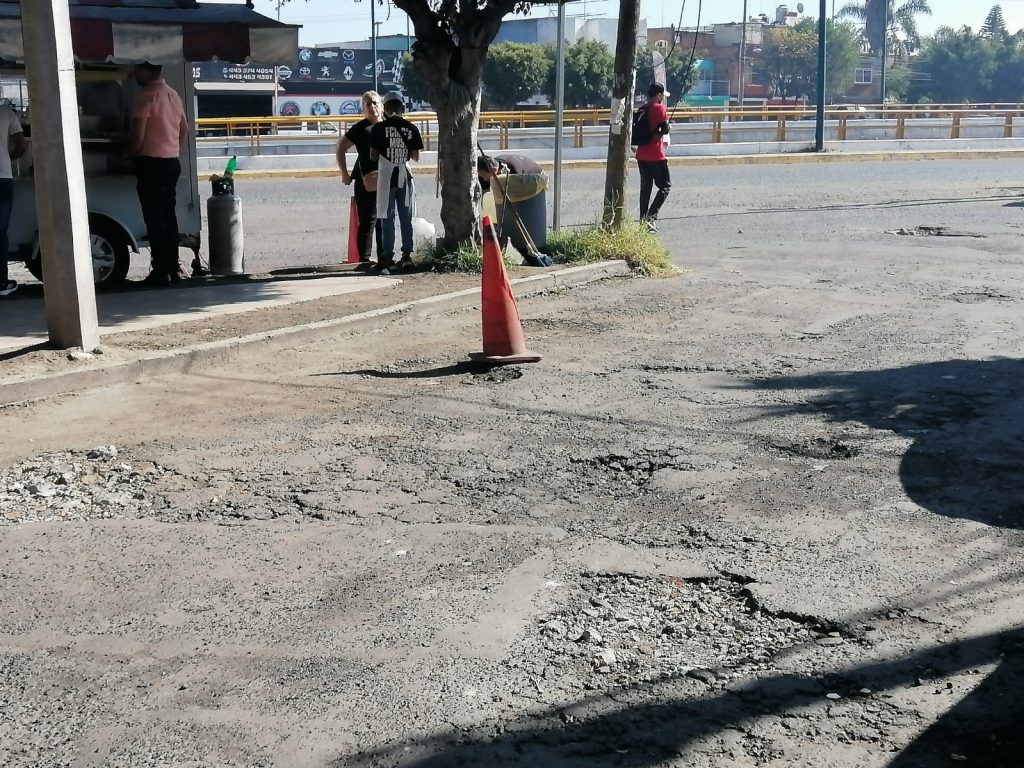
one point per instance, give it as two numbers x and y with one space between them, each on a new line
328 21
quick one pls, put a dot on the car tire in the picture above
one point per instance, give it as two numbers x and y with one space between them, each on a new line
111 254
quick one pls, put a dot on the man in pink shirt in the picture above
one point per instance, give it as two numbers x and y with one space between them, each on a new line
158 130
650 158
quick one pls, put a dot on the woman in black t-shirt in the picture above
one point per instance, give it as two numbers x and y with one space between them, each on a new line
364 174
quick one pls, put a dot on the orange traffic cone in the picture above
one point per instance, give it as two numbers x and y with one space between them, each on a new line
353 226
503 333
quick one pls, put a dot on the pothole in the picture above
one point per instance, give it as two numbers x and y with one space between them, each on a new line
623 629
815 448
500 375
78 485
926 231
636 468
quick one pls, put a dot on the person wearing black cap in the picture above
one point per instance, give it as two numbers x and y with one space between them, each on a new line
651 159
393 143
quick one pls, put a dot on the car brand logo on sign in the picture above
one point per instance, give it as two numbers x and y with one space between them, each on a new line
327 54
350 107
320 109
284 72
348 73
348 55
325 71
290 109
305 54
305 71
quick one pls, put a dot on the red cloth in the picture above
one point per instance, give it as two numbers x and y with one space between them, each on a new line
654 149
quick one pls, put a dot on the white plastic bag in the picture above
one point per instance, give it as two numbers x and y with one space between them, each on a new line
424 235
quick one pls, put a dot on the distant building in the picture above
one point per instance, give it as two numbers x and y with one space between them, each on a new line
544 31
717 49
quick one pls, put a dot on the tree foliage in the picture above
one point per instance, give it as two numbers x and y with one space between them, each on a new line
995 26
680 72
790 61
513 72
413 83
903 36
589 68
960 64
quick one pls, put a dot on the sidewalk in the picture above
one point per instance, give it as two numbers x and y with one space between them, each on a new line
153 331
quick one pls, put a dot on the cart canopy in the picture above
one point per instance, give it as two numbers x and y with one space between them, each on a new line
162 32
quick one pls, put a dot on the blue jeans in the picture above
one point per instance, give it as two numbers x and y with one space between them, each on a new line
6 203
400 203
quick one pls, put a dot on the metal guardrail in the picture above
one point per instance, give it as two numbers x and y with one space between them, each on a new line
259 131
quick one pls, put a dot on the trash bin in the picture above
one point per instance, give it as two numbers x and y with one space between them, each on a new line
527 194
224 223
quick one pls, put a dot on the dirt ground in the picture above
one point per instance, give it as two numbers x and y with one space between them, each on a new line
767 513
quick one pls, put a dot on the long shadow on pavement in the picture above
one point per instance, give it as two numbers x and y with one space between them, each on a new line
966 420
984 728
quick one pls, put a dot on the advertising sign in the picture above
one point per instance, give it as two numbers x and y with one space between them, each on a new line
319 105
346 65
221 72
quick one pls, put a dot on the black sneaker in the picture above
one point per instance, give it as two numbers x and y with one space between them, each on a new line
157 279
364 266
8 288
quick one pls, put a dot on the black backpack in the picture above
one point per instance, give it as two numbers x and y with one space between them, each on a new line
642 133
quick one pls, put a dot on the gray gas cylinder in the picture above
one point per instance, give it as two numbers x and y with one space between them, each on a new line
226 236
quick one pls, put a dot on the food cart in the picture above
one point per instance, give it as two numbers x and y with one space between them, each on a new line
109 38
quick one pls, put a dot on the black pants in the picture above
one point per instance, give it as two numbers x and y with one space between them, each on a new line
366 207
653 173
157 182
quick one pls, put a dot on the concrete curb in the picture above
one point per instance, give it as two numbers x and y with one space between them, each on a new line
178 360
787 158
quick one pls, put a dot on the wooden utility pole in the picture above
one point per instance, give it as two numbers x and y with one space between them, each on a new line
59 176
622 114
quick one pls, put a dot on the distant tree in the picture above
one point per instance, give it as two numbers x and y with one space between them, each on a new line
995 26
897 83
1008 78
903 36
844 52
960 64
413 83
589 68
513 72
790 61
680 71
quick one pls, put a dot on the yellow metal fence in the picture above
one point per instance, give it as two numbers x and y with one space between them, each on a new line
258 131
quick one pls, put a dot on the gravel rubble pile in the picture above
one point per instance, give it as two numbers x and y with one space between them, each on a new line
77 485
625 629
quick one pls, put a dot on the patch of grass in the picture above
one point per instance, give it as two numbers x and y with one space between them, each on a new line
633 244
465 258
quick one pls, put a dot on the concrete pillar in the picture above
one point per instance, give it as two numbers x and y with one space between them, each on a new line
59 176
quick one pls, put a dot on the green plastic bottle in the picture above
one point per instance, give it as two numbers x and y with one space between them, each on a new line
229 171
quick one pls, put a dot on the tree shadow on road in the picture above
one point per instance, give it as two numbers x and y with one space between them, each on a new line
465 367
966 420
984 727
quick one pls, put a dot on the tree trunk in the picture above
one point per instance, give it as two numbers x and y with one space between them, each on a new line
454 75
457 121
618 133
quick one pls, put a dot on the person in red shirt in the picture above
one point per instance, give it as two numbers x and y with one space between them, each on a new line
650 158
